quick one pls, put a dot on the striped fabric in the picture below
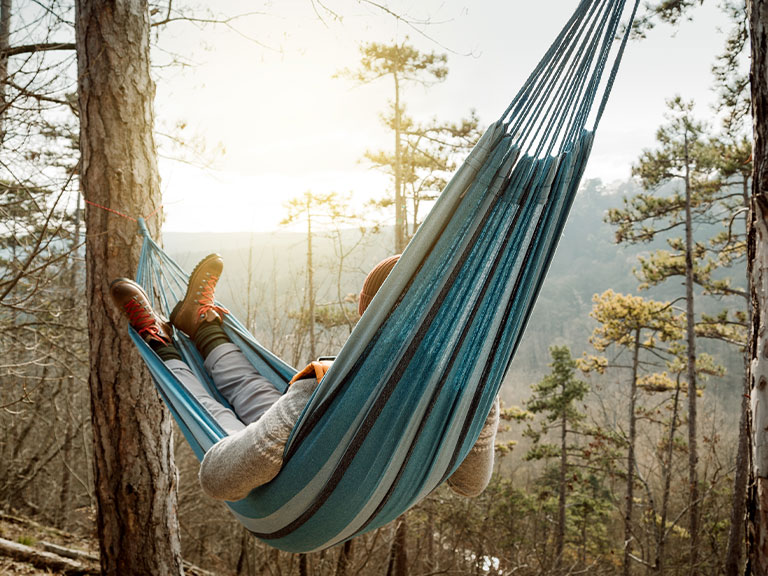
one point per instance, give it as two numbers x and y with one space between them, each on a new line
408 394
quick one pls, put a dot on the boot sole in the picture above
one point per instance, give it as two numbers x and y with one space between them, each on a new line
139 286
158 316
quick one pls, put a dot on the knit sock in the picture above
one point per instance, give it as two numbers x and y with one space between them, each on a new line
165 351
210 335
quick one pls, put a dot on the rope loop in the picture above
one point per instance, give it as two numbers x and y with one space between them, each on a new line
143 227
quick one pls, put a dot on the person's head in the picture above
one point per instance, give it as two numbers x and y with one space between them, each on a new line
374 280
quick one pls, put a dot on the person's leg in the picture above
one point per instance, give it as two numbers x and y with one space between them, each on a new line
224 416
156 332
249 393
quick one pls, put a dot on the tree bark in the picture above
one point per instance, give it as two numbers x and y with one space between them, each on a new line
398 554
661 529
626 570
758 259
400 221
5 42
135 478
344 562
310 283
757 268
690 338
561 500
735 544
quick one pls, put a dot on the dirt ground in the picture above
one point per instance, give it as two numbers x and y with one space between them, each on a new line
23 531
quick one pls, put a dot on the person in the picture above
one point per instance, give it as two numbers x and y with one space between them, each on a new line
261 419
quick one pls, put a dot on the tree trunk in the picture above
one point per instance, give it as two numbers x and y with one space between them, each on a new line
560 539
135 478
661 536
398 554
631 458
400 221
690 338
345 559
5 43
310 282
757 268
741 475
76 307
758 259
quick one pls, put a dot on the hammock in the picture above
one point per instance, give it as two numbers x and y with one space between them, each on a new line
408 394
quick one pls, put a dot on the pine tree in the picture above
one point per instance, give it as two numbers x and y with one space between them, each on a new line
424 154
634 325
556 398
683 157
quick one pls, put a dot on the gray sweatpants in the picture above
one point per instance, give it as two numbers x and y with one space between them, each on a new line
247 391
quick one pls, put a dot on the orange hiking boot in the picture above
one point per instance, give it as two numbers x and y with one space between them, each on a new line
198 303
133 301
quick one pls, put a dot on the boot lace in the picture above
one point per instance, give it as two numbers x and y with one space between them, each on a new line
143 321
206 298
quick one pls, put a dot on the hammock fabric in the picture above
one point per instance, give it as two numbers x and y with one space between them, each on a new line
408 394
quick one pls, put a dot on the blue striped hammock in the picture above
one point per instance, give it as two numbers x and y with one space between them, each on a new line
409 392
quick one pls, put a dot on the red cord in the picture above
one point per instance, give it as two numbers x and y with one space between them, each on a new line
155 211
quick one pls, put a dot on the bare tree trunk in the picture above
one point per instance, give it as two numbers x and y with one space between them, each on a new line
560 538
5 43
757 268
398 554
758 258
400 221
661 536
741 475
345 559
62 511
310 283
250 322
738 506
429 535
75 306
631 458
243 565
690 338
135 478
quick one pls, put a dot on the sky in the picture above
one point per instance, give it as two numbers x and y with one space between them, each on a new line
267 118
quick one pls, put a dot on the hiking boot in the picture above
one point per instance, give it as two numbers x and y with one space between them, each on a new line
198 305
134 302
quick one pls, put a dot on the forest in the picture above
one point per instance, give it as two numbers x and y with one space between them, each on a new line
630 437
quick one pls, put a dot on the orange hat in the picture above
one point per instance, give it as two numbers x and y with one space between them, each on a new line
374 280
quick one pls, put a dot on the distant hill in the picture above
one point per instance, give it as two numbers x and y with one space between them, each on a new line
587 262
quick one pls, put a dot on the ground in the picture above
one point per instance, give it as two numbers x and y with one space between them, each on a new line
23 531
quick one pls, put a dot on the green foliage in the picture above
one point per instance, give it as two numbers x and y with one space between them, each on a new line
624 320
555 399
425 154
430 154
671 11
685 155
712 174
403 60
26 540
